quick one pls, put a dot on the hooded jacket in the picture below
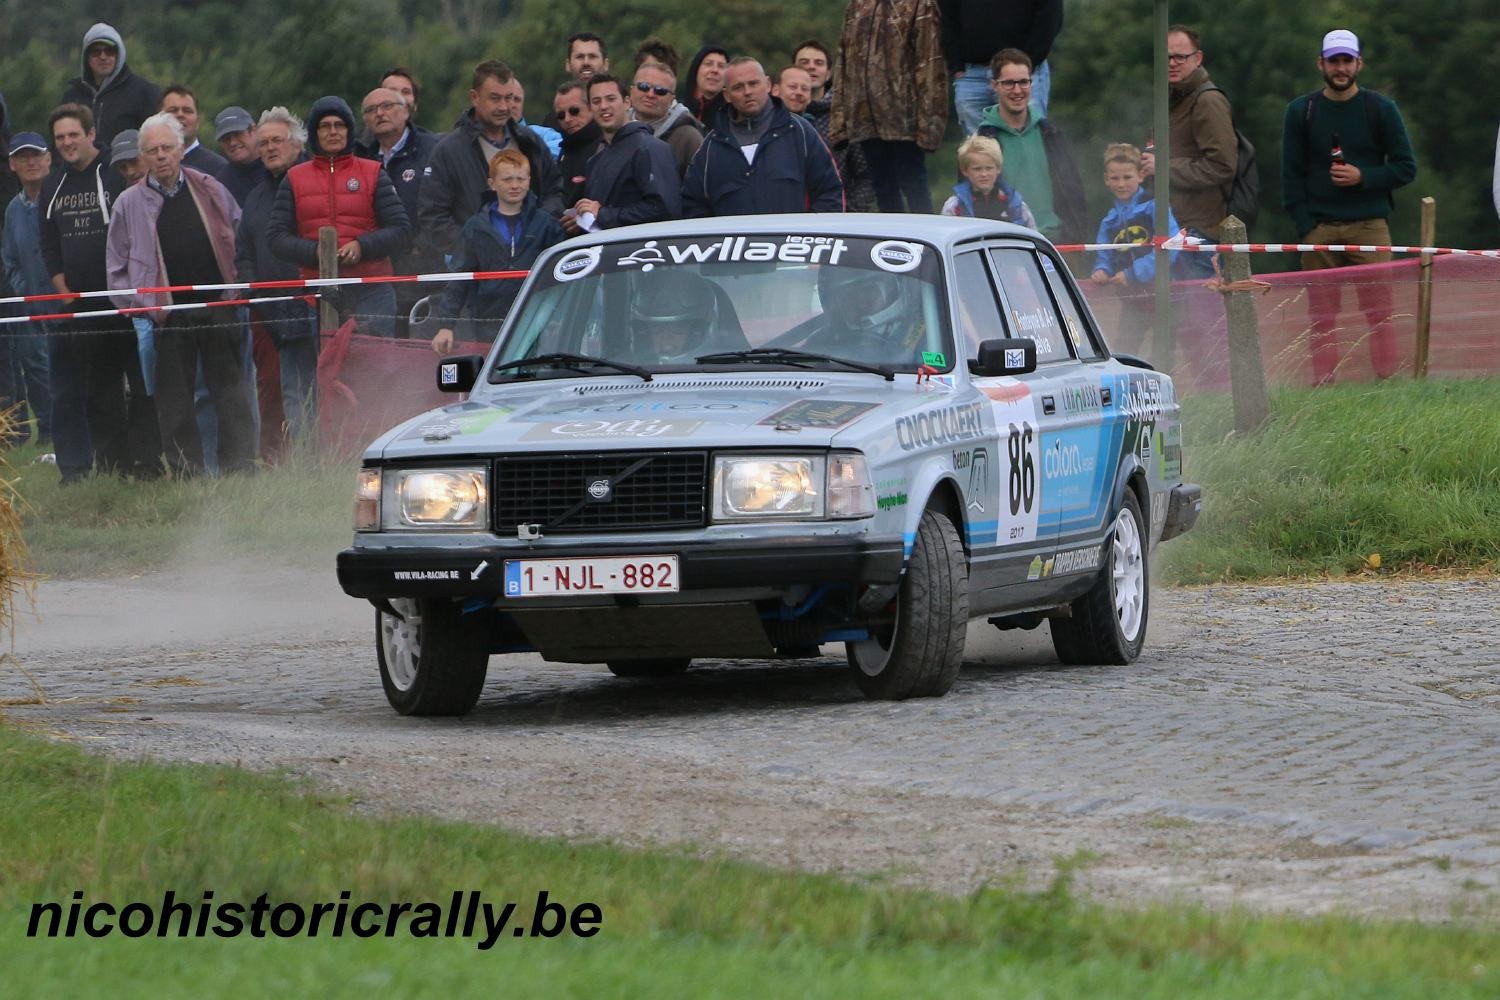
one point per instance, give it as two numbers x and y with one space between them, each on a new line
578 149
679 130
76 207
1069 203
1004 204
706 111
348 192
793 171
481 248
1132 221
123 100
456 179
634 179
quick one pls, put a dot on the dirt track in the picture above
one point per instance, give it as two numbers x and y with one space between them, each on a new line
1290 747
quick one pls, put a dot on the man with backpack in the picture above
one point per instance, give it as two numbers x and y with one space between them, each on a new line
1203 147
1344 151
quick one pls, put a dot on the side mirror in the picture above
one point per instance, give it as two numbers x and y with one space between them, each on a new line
1005 357
459 372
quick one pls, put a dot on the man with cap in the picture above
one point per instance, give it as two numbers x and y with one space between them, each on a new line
117 98
1344 151
354 196
235 131
23 348
125 156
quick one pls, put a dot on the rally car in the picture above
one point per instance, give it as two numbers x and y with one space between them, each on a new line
753 437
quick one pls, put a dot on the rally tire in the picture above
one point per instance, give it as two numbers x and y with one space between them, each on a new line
666 666
920 655
1108 624
433 658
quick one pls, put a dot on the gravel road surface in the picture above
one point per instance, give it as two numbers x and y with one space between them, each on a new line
1292 747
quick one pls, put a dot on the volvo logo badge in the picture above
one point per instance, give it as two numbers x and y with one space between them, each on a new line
600 489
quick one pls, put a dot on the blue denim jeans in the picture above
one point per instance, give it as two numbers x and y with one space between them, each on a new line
899 172
972 93
372 306
24 374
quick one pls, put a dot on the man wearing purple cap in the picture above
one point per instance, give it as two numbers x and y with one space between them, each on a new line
1344 151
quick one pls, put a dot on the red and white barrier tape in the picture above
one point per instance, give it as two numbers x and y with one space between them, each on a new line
1191 244
138 310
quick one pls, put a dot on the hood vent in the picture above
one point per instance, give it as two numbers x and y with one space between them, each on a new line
792 383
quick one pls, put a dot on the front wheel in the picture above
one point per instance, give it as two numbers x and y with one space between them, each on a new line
919 655
1108 624
433 657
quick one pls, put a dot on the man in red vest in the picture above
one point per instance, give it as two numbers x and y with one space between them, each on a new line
354 196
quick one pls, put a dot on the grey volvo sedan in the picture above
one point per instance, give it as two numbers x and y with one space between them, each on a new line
751 437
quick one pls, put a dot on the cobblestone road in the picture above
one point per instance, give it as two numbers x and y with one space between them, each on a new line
1304 747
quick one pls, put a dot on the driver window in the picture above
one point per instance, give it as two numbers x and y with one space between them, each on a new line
978 313
1029 303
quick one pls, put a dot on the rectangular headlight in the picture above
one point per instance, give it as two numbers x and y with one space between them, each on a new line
435 498
367 501
767 487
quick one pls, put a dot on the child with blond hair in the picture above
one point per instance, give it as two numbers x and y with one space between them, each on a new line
983 193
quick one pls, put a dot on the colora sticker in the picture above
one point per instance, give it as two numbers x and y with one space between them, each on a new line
897 256
577 263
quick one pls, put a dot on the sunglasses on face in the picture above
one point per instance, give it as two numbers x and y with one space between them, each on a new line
647 88
570 113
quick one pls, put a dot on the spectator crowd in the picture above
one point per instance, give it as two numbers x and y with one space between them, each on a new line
117 191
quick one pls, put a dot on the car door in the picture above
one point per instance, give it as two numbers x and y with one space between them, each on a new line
1075 471
1000 474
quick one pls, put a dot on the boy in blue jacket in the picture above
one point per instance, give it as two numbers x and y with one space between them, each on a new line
984 193
1131 220
508 233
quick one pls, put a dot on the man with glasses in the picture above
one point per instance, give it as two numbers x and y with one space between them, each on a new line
1204 150
632 178
581 137
974 30
653 102
118 98
403 150
1038 162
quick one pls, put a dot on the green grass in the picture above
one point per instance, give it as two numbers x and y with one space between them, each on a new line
1406 471
297 514
673 924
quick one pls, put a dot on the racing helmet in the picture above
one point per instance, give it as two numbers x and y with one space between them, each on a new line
672 314
857 299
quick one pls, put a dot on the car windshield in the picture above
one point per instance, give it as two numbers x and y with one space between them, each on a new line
661 304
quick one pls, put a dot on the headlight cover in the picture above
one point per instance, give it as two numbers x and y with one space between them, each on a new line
791 487
435 498
367 501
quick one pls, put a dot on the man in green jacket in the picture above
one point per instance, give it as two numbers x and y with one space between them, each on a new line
1344 151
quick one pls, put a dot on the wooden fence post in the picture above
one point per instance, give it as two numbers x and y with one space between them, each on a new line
1247 376
1424 289
328 267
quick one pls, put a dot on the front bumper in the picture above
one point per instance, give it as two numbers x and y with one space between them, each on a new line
707 565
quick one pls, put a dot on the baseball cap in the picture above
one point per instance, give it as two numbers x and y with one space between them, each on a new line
126 145
26 140
232 119
1340 42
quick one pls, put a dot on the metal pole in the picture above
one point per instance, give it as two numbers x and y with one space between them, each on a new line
1163 336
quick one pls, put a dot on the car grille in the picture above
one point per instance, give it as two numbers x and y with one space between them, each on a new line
661 489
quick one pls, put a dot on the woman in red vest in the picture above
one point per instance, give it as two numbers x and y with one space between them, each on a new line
354 196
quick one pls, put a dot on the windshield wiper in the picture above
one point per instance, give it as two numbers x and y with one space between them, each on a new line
772 355
574 362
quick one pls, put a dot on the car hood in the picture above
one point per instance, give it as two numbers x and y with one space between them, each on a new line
740 409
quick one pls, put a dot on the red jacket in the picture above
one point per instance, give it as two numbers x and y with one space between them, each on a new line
338 192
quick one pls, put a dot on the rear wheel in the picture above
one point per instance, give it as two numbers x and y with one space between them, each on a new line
1108 624
918 656
433 658
666 666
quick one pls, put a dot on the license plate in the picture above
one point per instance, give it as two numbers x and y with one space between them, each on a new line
618 575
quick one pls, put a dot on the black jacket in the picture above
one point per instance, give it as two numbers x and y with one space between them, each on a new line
974 30
239 179
482 249
75 209
457 177
123 101
705 111
634 179
578 149
794 171
406 170
254 261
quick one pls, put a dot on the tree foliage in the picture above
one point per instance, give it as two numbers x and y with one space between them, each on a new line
1432 58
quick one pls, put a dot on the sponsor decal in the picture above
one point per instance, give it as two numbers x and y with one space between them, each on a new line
1145 399
1062 461
576 264
979 474
1079 397
1145 442
891 501
1015 358
948 425
352 184
934 358
791 249
896 256
659 406
440 431
448 374
462 423
425 574
827 414
1034 571
408 175
478 571
1076 560
1006 392
635 427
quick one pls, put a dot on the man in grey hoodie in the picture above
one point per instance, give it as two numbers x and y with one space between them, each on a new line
653 103
118 98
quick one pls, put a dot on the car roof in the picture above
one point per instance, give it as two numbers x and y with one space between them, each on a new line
940 230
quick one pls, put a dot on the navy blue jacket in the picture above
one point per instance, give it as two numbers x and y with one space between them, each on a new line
481 248
254 261
634 179
793 171
406 169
